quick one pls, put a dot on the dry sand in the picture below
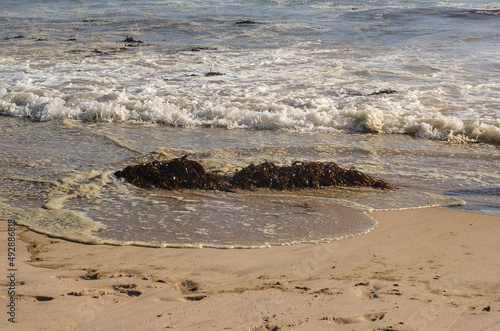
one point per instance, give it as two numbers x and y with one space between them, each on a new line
423 269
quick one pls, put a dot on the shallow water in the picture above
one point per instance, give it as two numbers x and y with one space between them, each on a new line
66 188
79 102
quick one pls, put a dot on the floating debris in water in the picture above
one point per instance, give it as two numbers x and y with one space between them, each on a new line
202 48
110 51
380 92
244 22
181 173
132 40
15 37
213 73
383 91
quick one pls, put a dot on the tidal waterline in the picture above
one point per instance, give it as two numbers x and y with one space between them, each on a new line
88 88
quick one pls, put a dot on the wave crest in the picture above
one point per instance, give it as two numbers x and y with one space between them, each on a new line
365 115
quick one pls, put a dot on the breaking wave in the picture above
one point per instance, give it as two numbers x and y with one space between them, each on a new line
398 114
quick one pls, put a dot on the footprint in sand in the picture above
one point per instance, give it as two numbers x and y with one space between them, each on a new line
372 317
39 298
43 298
120 290
182 299
128 289
196 298
366 291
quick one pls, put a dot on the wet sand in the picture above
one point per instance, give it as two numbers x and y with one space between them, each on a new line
421 269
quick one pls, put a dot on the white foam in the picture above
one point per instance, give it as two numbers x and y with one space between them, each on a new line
268 89
67 224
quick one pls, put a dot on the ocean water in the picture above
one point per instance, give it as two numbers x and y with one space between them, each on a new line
88 87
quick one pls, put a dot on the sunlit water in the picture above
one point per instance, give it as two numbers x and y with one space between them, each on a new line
80 102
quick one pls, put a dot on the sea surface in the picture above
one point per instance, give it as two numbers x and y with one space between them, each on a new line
407 91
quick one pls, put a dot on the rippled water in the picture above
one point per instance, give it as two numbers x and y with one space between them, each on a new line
89 87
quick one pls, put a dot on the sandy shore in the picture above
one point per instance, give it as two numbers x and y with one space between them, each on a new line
424 269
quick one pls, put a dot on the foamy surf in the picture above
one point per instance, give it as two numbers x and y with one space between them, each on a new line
404 112
87 89
99 209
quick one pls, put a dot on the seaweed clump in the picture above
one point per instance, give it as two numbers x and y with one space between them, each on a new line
181 173
302 175
383 91
244 22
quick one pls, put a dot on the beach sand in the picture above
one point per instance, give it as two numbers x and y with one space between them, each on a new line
421 269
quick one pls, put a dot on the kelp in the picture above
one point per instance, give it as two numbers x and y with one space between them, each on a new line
181 173
383 91
302 175
244 22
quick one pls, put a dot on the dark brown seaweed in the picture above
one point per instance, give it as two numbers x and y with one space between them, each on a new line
181 173
244 22
383 91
